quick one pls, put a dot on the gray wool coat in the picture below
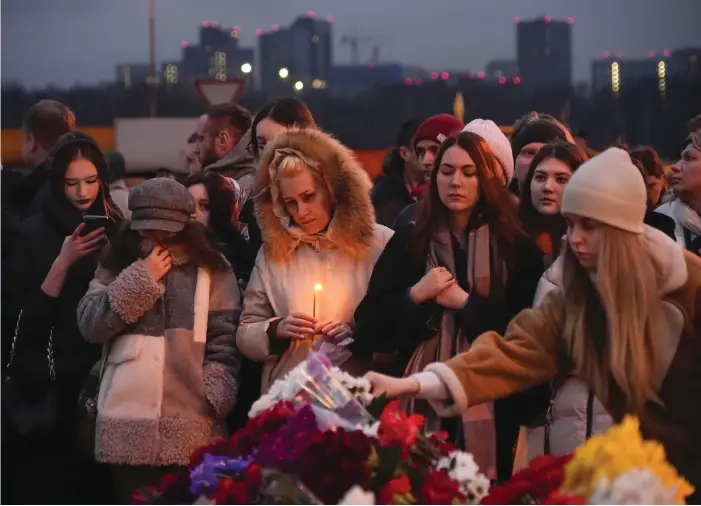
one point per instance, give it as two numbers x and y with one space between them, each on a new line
172 364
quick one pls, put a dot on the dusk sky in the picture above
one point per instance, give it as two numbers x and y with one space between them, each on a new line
62 42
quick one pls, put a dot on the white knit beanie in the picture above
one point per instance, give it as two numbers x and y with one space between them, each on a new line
496 139
610 189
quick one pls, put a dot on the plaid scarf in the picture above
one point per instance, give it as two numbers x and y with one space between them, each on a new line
486 275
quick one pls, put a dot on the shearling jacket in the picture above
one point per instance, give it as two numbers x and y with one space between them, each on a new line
172 366
287 268
531 352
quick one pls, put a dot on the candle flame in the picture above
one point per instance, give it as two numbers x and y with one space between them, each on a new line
318 287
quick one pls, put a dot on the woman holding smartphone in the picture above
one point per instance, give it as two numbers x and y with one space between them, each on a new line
48 272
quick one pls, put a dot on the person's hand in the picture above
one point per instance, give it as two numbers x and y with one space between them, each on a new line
334 332
296 326
76 247
434 282
391 386
158 263
452 297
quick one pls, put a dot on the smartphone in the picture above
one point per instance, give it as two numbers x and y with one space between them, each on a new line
93 222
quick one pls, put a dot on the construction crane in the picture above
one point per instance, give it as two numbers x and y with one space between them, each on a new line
354 41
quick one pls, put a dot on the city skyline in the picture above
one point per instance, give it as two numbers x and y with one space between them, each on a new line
486 31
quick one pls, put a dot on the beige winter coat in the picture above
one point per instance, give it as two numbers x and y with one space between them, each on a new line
287 268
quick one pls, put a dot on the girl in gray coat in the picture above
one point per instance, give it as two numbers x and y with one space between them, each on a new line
165 304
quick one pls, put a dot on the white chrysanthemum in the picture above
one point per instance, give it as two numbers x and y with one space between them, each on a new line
357 495
637 486
461 467
370 430
261 405
359 387
477 489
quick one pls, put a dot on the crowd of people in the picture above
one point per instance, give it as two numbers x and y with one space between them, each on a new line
182 301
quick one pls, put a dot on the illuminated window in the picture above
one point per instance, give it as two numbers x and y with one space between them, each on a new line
615 78
662 77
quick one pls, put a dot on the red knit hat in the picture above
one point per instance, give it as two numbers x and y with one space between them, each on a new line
437 128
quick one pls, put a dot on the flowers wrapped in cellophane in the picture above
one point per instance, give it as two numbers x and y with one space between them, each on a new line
318 437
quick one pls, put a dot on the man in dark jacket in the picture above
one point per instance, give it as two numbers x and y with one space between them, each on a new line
222 143
22 193
402 173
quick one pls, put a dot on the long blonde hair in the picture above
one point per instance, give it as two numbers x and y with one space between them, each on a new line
611 321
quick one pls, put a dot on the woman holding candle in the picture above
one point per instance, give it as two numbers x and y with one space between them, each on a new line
320 244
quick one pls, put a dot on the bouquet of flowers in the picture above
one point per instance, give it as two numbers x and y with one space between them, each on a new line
617 467
318 437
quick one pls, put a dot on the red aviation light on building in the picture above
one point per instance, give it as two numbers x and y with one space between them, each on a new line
407 80
214 24
184 44
605 54
665 52
548 19
502 80
470 74
259 32
570 21
480 75
434 75
619 54
311 14
237 28
651 53
517 80
445 76
517 20
330 19
419 81
206 24
275 28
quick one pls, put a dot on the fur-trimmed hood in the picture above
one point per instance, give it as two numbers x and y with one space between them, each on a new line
352 227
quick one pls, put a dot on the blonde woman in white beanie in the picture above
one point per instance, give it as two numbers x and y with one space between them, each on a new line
625 319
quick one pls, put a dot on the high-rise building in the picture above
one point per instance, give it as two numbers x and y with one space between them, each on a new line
544 48
218 55
685 64
613 72
300 54
496 69
130 75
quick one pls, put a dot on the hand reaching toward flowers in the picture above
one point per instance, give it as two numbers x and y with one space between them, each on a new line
391 386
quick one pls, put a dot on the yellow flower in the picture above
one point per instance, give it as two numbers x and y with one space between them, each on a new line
617 451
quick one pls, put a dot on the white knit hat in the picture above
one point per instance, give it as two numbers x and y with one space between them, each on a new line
496 139
610 189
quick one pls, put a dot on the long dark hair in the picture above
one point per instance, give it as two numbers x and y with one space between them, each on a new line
494 207
124 249
223 201
287 112
71 147
535 223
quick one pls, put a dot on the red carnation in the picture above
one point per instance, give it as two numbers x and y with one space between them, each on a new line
440 440
398 486
439 488
334 462
397 426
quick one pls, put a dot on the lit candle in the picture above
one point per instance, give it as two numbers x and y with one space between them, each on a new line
317 288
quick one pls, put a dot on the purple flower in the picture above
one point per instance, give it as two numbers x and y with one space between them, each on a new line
283 449
205 477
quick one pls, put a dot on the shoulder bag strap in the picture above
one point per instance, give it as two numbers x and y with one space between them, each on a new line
555 387
590 413
49 349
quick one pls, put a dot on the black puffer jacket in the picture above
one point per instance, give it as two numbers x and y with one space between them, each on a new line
37 247
389 194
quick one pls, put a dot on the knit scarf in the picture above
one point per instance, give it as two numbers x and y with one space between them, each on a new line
686 218
486 275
